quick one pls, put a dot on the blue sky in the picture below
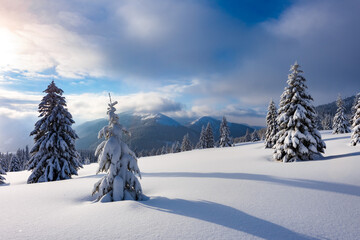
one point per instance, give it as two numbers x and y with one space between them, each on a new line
181 58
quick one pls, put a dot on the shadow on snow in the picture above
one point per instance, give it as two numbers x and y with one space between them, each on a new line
340 156
301 183
223 215
337 138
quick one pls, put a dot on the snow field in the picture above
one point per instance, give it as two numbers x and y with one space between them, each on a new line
224 193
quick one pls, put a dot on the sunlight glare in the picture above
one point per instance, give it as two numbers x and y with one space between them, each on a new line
9 45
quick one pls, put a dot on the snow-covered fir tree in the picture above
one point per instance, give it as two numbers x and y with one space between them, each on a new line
5 162
118 162
163 150
202 141
186 144
209 137
225 140
353 108
17 163
326 122
318 122
158 151
176 147
271 125
247 137
53 156
340 122
87 161
152 152
355 136
255 136
298 138
2 172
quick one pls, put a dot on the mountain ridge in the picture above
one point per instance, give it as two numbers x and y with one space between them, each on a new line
150 131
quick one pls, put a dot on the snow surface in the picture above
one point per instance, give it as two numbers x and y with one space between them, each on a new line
224 193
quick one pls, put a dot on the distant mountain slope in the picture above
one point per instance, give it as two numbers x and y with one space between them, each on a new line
147 131
330 108
236 130
150 131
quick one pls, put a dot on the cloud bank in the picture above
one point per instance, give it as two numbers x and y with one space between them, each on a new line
182 58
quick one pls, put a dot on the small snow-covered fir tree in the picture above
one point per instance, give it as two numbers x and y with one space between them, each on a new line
353 108
176 147
87 161
118 162
201 144
318 122
16 164
340 122
53 156
152 152
355 136
326 122
271 125
255 136
2 172
247 137
225 140
163 150
5 162
186 144
209 137
158 151
298 138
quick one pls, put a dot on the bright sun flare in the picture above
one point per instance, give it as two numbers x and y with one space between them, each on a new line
8 47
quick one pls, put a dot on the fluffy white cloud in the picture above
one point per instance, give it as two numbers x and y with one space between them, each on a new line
33 43
92 106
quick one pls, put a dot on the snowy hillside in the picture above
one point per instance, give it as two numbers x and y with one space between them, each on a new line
229 193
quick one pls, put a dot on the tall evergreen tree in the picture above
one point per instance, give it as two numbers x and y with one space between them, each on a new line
355 136
2 172
340 122
271 125
53 156
225 140
298 138
186 144
201 144
209 137
118 162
